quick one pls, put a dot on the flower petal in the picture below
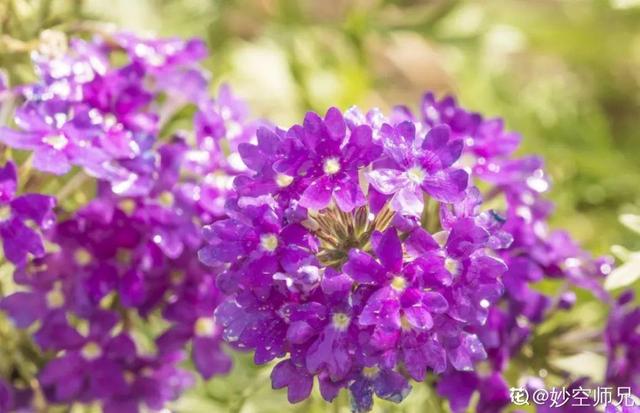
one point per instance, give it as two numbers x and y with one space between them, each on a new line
389 250
446 186
388 181
318 195
8 182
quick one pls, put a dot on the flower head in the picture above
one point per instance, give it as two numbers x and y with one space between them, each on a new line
327 268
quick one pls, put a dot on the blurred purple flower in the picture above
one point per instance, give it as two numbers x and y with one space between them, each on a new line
19 239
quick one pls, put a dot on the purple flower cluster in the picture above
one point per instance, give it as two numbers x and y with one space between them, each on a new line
518 185
86 110
112 271
357 249
329 263
118 295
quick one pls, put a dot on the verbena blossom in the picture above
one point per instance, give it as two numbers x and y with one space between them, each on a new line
417 165
19 238
519 185
323 271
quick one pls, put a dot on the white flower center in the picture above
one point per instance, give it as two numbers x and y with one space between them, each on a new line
398 283
166 199
404 323
233 130
283 180
177 276
453 266
5 212
57 142
55 297
127 206
416 174
82 256
205 327
331 166
91 351
129 377
269 242
340 321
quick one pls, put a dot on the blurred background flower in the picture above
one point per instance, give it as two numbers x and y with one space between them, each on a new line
565 74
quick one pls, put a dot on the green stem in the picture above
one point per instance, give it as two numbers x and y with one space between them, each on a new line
337 403
434 400
25 171
424 219
72 185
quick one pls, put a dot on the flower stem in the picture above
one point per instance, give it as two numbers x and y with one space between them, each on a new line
25 172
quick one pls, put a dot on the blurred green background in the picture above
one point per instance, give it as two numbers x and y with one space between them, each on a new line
566 74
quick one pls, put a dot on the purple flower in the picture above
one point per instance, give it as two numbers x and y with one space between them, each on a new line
295 378
335 154
105 366
90 366
519 231
459 387
192 317
129 256
86 111
418 165
400 304
274 159
332 350
320 157
161 54
222 125
622 409
19 239
135 254
386 384
355 249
